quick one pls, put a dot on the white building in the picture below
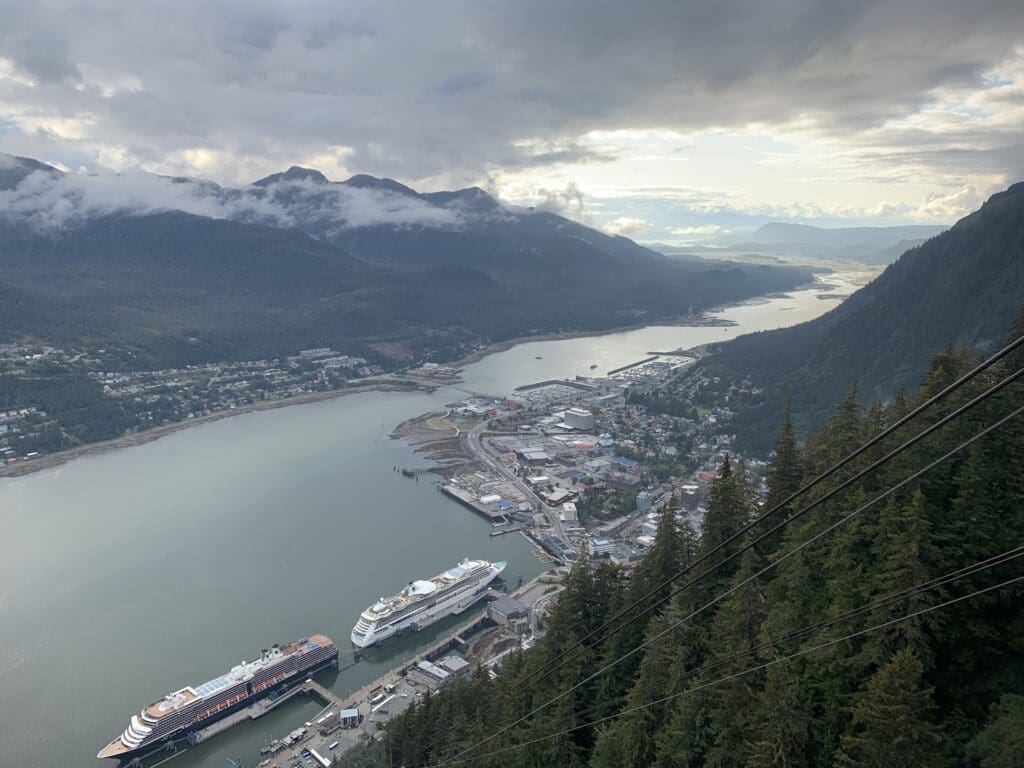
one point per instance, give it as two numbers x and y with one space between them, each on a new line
600 547
569 514
643 501
579 418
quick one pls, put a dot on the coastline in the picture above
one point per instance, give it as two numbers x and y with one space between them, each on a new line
22 469
696 320
701 320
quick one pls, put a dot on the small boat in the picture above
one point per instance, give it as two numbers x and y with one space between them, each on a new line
538 357
593 366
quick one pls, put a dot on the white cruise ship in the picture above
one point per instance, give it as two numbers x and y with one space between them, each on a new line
423 602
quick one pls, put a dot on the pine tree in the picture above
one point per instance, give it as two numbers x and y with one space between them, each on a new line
728 512
900 554
671 551
786 473
780 730
890 725
684 742
1001 743
839 436
630 741
735 630
785 477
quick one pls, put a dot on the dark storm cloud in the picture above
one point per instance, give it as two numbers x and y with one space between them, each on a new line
417 89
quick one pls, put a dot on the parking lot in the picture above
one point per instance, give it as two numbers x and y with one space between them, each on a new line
391 699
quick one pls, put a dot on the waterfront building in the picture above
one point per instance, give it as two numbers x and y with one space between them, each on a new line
579 418
506 609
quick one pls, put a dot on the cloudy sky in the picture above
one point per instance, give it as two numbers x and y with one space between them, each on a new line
669 122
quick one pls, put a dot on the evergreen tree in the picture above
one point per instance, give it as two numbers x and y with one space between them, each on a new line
780 729
900 554
1001 743
630 741
890 725
785 477
671 551
840 435
786 472
727 513
735 630
684 742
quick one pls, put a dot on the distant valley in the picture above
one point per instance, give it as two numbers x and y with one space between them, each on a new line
787 242
962 287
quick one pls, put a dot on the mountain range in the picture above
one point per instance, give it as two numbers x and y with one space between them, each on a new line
185 270
864 245
964 286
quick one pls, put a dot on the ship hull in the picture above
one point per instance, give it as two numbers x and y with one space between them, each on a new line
431 615
181 735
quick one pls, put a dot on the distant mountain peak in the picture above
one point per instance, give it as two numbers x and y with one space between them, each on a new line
295 173
13 169
472 198
365 181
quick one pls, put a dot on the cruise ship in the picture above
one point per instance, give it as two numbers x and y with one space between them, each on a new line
425 601
184 711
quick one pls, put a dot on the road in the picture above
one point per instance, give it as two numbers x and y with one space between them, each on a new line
474 447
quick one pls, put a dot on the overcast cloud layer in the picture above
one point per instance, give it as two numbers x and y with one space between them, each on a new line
657 120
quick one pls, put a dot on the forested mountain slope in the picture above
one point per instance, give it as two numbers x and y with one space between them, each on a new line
965 285
188 271
822 645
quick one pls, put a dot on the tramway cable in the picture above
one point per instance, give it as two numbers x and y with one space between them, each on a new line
735 675
609 627
821 477
885 494
881 602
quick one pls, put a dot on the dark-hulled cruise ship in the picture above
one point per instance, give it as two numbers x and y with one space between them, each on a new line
186 710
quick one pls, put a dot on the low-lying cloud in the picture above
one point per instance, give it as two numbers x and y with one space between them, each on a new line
626 225
49 202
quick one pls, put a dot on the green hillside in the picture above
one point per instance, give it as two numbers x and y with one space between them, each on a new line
965 285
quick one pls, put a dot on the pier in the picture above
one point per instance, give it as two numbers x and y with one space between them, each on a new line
326 695
396 690
370 701
632 365
469 500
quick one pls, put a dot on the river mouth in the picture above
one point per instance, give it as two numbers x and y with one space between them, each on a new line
133 573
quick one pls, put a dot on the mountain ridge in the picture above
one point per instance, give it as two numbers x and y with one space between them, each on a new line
965 285
201 272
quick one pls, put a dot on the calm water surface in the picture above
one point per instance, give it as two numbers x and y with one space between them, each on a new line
129 574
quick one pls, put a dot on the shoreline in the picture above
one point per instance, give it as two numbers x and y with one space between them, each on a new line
700 319
23 469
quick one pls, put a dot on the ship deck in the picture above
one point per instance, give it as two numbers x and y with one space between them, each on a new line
154 711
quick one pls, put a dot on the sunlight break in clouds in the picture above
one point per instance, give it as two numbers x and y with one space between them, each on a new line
900 111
